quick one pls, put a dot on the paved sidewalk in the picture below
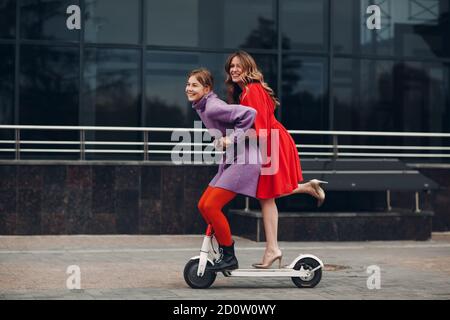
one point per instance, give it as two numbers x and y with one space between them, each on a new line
151 267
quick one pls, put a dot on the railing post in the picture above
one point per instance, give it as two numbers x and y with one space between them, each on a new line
82 145
388 200
17 134
247 204
145 145
417 202
335 146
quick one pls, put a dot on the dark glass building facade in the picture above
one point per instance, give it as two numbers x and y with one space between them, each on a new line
127 65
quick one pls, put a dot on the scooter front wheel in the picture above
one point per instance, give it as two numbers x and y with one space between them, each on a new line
193 280
311 280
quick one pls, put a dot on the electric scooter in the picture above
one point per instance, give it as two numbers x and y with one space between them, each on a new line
305 271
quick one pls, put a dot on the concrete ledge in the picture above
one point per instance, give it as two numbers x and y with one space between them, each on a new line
345 226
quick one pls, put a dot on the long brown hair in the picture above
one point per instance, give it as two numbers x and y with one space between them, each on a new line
251 73
203 76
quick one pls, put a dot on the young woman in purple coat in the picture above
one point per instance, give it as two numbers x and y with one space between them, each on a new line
237 173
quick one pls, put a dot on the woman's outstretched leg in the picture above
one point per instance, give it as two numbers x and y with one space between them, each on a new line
303 188
312 188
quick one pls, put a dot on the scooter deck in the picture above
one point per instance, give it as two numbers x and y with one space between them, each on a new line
286 272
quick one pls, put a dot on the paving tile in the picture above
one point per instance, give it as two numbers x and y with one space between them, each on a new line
150 267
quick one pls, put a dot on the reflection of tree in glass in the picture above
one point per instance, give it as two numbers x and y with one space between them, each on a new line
161 114
112 92
303 109
48 94
49 86
265 36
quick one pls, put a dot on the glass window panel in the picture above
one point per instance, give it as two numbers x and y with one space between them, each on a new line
8 18
218 24
413 28
49 85
7 84
391 96
304 104
112 21
49 95
363 95
111 97
304 24
304 89
111 87
46 20
422 96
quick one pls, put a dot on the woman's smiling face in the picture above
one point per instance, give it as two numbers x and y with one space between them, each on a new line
236 70
195 90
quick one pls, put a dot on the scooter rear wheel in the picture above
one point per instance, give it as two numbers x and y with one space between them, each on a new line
194 281
313 279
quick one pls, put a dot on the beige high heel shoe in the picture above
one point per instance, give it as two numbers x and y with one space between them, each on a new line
269 263
316 185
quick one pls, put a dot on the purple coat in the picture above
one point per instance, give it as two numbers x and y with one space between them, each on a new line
237 176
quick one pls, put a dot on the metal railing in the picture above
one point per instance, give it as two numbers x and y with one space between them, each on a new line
145 147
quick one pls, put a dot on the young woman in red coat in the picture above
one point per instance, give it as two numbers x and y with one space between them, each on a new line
282 174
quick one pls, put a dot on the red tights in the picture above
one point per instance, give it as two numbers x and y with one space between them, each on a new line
210 206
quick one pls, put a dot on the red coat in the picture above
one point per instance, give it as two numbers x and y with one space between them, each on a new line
289 173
